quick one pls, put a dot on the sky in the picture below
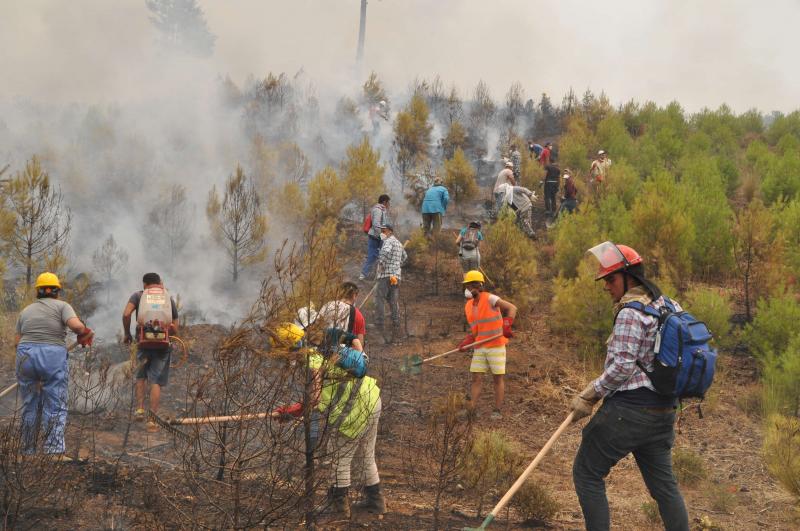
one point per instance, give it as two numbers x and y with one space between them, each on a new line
701 54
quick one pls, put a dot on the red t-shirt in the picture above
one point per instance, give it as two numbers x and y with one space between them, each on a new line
360 324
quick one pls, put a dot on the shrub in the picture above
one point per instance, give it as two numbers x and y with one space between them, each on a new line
773 326
534 502
510 259
582 309
711 306
417 248
781 376
327 195
575 234
687 466
722 497
782 451
650 510
749 400
490 464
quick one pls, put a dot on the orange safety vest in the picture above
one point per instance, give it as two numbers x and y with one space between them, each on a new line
485 321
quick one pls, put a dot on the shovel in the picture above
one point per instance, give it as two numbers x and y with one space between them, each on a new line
524 476
412 364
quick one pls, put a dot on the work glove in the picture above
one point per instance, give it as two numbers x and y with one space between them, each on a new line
462 347
173 328
584 402
507 322
393 280
290 412
85 339
128 338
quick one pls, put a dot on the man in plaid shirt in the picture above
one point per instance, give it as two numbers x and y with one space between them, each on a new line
633 418
391 258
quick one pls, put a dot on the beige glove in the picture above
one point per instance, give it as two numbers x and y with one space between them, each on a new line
584 402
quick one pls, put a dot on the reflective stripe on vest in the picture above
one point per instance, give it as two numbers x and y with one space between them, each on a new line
485 321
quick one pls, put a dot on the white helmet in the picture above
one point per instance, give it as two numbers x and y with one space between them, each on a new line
601 152
382 103
509 164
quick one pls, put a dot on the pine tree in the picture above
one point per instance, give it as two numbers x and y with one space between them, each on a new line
182 25
237 222
327 195
362 174
460 178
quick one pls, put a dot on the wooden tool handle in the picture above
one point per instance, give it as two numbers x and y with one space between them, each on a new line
225 418
521 479
475 344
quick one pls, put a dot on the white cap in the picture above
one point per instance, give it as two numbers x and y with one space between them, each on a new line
509 164
601 152
382 103
566 175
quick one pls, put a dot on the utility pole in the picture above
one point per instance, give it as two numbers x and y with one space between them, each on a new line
362 29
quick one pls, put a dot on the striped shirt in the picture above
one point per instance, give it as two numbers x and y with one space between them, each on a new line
633 339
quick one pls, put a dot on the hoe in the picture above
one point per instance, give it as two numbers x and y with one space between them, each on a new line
524 476
412 364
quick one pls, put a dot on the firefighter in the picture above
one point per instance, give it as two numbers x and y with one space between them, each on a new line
153 360
488 315
42 368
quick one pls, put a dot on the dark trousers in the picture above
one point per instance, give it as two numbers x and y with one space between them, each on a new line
387 294
373 248
431 222
550 191
614 432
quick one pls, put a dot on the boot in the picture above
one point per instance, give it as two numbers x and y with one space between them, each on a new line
373 501
397 335
340 503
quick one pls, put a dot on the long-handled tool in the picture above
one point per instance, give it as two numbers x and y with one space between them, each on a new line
169 424
15 384
412 364
368 295
524 476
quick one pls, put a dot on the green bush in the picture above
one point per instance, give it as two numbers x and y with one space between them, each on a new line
722 497
575 234
774 325
782 451
489 465
781 377
534 502
510 259
650 510
582 309
711 305
688 467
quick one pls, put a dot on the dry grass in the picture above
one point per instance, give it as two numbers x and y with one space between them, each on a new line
688 467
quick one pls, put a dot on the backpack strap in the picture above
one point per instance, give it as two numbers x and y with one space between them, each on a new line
351 323
645 309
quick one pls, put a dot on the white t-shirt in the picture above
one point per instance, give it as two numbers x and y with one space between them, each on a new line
335 314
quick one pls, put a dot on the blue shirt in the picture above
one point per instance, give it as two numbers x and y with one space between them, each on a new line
435 201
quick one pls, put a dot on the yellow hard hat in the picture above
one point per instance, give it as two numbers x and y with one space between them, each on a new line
47 280
473 276
288 334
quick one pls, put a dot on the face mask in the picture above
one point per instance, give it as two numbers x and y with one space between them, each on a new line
383 236
467 294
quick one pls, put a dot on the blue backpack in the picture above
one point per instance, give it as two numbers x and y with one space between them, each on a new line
684 361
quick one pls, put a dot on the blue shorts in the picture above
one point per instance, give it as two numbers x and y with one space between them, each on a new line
154 365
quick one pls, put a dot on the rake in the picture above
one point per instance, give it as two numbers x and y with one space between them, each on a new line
524 476
412 364
169 424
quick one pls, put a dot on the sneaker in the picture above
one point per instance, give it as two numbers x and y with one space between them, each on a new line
496 415
139 415
152 427
362 277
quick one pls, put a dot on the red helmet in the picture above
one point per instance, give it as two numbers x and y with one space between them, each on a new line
613 258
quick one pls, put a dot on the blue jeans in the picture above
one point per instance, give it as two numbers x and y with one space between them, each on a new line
40 363
373 248
614 432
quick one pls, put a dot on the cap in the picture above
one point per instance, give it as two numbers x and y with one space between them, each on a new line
509 164
601 152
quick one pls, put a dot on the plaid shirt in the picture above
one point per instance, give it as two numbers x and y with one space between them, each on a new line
632 340
391 257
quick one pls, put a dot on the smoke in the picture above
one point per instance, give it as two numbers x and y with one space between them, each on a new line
117 118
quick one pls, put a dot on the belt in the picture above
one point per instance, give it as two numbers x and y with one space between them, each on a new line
659 410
